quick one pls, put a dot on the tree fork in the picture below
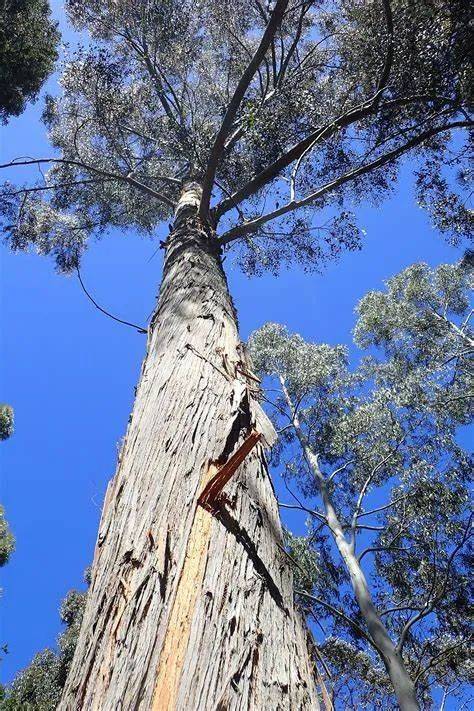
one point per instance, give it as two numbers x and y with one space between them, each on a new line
191 606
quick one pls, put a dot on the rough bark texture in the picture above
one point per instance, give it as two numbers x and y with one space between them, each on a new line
191 608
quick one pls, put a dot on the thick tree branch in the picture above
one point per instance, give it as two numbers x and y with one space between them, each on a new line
107 174
254 225
236 100
353 115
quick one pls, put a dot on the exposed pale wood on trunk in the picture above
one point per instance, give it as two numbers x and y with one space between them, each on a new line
174 587
170 667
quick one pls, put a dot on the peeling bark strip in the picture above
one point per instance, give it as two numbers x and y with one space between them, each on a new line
190 611
213 488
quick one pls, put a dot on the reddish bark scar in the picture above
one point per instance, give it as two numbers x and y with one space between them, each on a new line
210 493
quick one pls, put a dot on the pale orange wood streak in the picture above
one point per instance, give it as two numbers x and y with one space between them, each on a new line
173 654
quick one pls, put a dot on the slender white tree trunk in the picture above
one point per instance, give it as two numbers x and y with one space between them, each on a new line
191 607
402 684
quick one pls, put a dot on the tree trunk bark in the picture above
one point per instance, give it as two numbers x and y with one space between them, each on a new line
191 606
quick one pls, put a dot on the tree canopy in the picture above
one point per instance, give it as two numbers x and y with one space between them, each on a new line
387 457
28 40
289 113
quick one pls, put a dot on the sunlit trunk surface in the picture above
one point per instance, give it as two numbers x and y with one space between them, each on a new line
191 603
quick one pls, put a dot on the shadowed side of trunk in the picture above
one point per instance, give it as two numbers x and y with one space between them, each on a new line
191 607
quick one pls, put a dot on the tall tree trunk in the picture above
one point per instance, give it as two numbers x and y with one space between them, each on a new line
191 606
402 684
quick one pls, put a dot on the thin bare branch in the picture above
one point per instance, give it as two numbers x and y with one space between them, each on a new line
254 225
365 486
437 659
140 329
400 608
300 507
387 506
106 173
338 613
339 469
430 604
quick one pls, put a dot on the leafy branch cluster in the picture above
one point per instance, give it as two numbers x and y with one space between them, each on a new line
382 480
28 40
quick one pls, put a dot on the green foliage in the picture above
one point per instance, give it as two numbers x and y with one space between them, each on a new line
385 438
411 316
358 680
6 421
36 687
7 540
308 568
39 686
344 91
28 42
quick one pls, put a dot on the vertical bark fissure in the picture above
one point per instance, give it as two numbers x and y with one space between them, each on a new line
402 684
177 599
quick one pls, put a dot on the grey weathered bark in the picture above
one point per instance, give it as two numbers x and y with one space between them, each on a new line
191 607
402 684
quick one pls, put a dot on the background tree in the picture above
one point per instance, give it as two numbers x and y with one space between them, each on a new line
248 122
40 685
376 448
28 40
7 540
6 421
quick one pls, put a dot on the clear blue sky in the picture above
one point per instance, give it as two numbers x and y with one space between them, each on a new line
69 373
